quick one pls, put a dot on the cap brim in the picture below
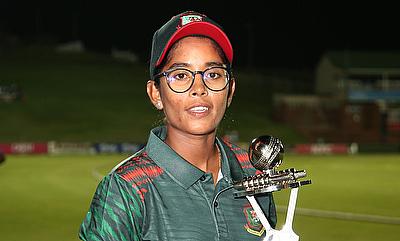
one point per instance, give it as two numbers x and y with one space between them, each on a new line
201 28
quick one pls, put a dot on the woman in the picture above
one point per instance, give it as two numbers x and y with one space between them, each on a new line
179 186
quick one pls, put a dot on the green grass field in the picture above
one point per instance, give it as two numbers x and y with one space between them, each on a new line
45 197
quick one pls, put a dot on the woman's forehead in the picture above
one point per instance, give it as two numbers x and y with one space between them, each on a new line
187 52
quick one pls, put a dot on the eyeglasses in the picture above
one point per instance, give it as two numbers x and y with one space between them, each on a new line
181 80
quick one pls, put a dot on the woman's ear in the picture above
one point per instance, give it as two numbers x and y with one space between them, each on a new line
231 91
153 92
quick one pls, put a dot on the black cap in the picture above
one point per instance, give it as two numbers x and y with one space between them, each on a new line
182 25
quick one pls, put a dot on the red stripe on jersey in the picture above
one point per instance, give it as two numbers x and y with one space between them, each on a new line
241 156
142 175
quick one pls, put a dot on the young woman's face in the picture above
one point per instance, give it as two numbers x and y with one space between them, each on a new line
199 110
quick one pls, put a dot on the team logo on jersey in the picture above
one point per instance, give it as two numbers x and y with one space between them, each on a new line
253 224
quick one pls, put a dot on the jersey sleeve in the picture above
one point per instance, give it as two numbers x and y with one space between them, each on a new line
115 212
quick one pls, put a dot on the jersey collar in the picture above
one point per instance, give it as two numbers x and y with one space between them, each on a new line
184 173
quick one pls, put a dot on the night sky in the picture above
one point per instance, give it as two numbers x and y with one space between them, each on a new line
290 34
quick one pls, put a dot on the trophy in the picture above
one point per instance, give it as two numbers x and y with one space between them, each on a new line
266 154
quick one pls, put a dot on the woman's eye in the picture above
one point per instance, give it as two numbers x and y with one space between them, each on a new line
180 76
213 75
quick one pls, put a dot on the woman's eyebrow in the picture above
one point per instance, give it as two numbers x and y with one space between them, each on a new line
186 65
209 64
178 65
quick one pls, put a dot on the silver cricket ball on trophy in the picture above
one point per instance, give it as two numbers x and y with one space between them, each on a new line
266 152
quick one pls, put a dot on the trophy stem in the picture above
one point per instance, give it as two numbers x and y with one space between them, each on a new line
286 233
259 212
291 208
261 216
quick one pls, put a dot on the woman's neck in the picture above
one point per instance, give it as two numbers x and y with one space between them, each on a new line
199 150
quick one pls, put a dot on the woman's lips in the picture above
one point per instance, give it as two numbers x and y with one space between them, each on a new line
199 110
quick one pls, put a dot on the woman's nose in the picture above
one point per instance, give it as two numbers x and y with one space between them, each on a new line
198 88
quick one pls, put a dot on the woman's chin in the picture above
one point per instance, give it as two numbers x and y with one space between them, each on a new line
201 129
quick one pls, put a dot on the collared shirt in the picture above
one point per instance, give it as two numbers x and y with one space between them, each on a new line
157 195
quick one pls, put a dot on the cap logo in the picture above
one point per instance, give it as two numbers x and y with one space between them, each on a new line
190 18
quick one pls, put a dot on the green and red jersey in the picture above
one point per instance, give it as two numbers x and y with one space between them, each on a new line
157 195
